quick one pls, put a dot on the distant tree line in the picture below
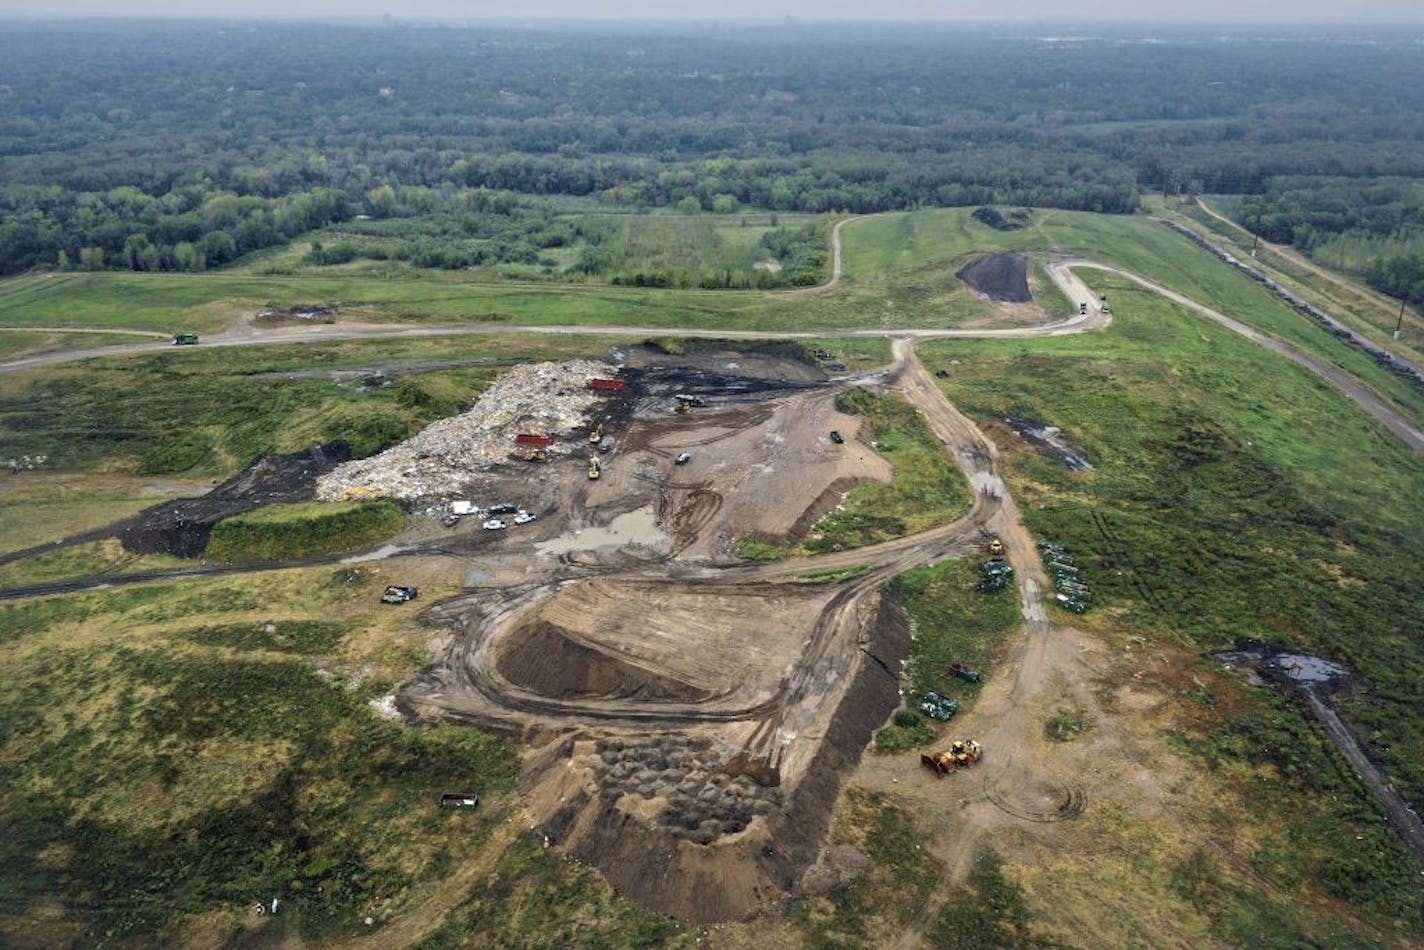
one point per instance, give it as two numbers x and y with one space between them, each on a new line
1372 227
180 146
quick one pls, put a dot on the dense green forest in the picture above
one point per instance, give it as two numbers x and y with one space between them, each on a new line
1374 228
186 145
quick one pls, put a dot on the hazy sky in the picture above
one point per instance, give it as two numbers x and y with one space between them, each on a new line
1140 10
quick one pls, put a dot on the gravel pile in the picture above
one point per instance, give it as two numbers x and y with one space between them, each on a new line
543 398
703 803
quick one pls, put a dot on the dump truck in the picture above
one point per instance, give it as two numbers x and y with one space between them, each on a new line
185 339
962 754
1082 309
938 707
459 800
1104 304
399 595
534 439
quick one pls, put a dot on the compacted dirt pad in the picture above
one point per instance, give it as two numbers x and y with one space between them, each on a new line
1002 277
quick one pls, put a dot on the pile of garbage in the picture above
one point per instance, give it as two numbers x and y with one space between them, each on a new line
549 398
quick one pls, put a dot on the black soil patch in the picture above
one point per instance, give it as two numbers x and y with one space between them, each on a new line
1002 277
718 358
182 526
544 660
1050 441
1000 220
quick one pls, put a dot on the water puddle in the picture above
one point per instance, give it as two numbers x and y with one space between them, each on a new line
1273 661
634 528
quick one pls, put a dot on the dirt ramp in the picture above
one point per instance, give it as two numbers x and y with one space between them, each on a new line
547 659
1002 277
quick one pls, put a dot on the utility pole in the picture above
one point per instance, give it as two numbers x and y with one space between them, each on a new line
1255 239
1399 324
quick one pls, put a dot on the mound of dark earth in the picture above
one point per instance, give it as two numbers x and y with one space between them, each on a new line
1002 277
544 659
182 526
999 220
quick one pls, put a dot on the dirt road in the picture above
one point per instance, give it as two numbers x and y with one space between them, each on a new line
1404 818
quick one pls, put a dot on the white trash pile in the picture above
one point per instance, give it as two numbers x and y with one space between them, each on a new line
539 398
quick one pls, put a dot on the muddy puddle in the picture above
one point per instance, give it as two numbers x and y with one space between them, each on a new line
1273 662
1050 441
639 527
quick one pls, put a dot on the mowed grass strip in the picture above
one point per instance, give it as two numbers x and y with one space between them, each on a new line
303 529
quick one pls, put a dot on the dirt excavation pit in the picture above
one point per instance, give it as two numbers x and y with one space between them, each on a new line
1001 277
662 642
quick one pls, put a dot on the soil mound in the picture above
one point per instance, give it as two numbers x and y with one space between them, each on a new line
1011 220
545 659
1002 277
182 526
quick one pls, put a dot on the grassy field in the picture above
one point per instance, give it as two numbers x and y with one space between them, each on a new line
899 273
1243 499
303 529
210 412
952 622
172 754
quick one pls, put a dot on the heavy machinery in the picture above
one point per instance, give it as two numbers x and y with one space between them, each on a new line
682 458
593 471
996 547
399 595
837 438
996 572
962 754
534 455
965 673
1104 304
596 436
185 339
1082 310
938 707
459 800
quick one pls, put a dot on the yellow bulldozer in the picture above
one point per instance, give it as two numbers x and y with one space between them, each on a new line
996 547
962 754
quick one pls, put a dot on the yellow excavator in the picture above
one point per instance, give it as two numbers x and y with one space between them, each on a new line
962 754
593 472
